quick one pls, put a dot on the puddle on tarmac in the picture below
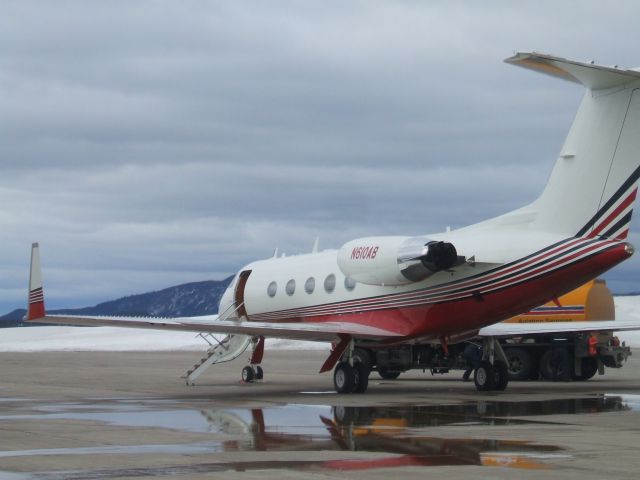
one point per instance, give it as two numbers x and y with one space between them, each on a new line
395 435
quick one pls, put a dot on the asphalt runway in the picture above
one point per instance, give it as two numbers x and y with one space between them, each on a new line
101 415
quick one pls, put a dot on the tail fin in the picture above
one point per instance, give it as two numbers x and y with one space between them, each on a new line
594 182
35 307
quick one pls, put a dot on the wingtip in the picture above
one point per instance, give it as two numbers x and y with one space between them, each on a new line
35 301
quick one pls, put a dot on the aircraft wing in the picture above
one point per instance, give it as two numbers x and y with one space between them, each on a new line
517 329
320 332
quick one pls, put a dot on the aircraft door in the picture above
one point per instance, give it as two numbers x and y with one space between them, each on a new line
239 293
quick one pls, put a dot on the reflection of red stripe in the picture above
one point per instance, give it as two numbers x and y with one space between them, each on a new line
613 215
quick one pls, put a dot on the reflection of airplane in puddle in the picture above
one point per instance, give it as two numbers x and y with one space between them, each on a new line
443 288
390 431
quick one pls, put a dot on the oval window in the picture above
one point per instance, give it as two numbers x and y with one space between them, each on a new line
310 285
349 283
291 287
272 289
330 283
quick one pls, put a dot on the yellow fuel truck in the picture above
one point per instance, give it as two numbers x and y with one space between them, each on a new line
530 356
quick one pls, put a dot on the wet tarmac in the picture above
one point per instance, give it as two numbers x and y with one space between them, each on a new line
395 432
200 435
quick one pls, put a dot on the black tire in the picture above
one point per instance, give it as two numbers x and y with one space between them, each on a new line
361 377
520 364
388 374
343 378
484 377
247 374
361 355
259 373
501 376
589 368
545 365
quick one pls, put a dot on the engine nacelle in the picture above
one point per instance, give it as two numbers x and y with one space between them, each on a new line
395 260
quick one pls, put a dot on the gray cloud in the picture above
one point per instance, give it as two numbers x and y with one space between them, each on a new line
150 143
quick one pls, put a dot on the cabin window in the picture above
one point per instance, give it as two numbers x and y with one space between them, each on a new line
290 288
349 283
310 285
272 289
330 283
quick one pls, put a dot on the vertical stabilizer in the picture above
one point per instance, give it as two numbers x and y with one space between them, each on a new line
593 185
35 308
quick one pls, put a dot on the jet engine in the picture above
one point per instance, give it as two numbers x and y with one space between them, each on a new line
395 260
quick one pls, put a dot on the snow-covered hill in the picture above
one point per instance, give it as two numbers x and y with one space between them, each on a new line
122 339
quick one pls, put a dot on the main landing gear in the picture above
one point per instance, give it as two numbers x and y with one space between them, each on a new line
253 371
350 379
351 375
492 373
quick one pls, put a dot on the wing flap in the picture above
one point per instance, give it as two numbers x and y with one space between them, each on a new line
319 332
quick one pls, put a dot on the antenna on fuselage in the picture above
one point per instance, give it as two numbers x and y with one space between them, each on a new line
316 244
275 253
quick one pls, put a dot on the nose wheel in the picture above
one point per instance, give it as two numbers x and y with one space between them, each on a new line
251 373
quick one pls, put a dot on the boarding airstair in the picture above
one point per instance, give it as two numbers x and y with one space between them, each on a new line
222 348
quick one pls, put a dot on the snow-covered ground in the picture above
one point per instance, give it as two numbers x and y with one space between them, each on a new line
33 339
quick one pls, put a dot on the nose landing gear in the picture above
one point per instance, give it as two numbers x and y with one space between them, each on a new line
253 371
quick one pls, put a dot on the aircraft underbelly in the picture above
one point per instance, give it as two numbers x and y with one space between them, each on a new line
469 303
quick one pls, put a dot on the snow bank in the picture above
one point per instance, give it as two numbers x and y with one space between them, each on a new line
628 308
34 339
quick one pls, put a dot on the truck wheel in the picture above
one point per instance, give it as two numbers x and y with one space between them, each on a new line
501 376
589 368
388 374
520 364
546 367
484 377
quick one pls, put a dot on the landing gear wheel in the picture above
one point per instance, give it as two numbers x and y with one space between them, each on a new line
388 374
588 368
360 355
259 373
501 376
343 378
361 377
521 364
484 377
247 374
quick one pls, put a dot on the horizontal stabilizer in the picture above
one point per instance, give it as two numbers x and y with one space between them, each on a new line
588 74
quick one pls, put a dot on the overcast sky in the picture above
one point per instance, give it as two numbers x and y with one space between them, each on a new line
147 144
